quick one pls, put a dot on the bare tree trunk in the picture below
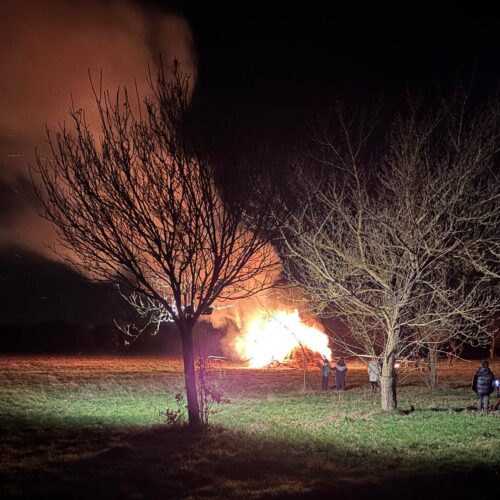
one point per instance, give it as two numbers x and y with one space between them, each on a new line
190 377
388 384
388 378
493 345
432 368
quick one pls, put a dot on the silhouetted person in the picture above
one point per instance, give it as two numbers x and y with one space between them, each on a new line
325 373
340 371
395 376
483 385
496 406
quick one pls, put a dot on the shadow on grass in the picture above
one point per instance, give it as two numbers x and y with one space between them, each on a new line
455 410
160 462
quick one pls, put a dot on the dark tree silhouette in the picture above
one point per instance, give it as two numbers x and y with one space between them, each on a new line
136 204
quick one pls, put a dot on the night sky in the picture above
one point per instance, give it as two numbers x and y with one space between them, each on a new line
259 75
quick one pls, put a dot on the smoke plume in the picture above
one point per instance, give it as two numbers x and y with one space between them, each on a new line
47 50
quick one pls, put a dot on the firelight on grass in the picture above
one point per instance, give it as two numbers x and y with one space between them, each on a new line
273 335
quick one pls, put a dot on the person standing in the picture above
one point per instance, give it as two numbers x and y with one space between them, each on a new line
340 372
325 374
482 384
373 374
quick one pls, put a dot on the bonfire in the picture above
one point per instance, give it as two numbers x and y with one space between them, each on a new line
275 337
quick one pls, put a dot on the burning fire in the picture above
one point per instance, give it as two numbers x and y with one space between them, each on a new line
273 336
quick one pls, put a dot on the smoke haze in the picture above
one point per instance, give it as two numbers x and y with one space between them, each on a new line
46 51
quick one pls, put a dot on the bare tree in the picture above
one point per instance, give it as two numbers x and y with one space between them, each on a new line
398 244
494 338
137 205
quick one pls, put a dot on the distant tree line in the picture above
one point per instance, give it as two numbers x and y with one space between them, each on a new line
59 337
65 338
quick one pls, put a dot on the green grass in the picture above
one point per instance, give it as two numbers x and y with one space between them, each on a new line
94 428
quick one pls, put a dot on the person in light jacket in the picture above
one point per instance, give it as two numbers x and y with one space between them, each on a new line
340 371
373 374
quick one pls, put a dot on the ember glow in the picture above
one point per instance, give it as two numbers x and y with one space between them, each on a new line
273 335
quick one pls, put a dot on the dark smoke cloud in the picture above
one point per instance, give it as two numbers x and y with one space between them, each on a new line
46 51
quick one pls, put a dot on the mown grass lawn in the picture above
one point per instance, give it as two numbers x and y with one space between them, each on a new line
93 428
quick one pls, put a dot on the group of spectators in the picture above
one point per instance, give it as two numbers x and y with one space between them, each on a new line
340 369
483 383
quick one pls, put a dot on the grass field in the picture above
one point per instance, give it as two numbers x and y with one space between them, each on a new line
93 428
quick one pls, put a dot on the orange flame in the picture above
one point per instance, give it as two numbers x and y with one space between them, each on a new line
273 336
